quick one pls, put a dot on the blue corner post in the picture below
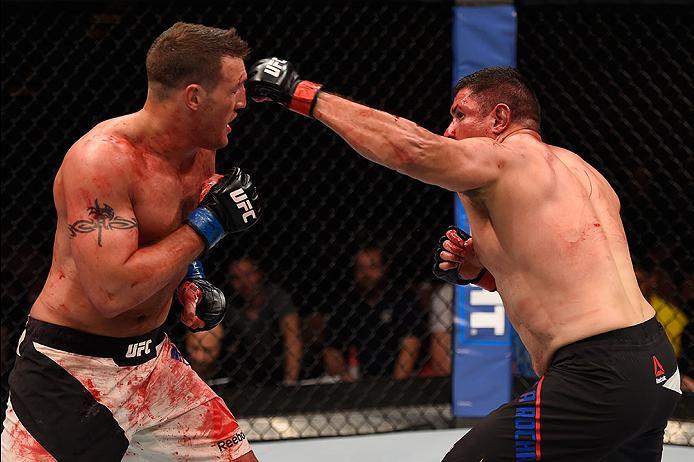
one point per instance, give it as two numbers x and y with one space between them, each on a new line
483 36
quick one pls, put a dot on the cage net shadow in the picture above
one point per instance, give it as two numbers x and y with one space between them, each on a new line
333 286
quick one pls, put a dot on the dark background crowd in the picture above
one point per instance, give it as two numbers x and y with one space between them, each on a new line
333 286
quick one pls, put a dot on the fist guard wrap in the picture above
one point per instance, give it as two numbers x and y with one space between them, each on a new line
210 304
304 98
229 206
484 279
276 80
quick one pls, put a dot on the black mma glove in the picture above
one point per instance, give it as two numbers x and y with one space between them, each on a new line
230 206
451 276
210 304
276 80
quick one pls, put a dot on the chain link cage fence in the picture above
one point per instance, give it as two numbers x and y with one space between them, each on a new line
615 85
306 349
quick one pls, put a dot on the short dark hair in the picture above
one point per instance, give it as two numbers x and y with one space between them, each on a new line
191 53
494 85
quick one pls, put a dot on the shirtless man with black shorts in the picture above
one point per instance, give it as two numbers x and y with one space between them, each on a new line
547 236
137 202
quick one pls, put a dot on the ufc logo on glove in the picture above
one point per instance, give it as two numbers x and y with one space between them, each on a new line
275 67
242 202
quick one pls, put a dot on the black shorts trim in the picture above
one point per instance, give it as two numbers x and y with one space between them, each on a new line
125 351
640 336
605 398
60 413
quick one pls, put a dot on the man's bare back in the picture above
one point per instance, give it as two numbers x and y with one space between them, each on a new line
549 230
545 223
154 191
546 234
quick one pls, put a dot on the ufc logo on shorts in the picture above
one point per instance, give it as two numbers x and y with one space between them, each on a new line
242 202
135 350
275 67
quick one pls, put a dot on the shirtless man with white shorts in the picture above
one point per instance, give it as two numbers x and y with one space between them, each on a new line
549 238
96 378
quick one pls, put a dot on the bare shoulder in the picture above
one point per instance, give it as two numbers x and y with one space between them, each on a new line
585 172
570 158
527 157
102 152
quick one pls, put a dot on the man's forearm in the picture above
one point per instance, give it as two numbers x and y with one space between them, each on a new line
409 352
383 138
292 361
334 362
148 270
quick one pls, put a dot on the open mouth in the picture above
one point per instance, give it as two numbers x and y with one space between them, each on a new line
229 124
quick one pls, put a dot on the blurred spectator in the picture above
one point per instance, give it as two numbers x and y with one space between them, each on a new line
203 351
437 301
377 328
264 327
668 314
313 336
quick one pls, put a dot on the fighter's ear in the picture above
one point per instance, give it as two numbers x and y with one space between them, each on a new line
502 118
193 95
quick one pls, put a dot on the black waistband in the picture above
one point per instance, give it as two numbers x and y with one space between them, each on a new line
123 350
643 334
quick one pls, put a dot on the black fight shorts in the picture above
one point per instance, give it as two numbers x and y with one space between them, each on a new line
80 397
604 398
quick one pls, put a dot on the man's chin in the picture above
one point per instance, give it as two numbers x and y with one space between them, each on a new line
216 146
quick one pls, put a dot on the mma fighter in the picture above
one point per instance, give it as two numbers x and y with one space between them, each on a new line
96 378
547 235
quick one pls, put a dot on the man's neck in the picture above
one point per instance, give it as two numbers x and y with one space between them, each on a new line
518 131
158 130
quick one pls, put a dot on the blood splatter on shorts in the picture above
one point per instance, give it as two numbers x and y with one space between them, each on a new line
76 396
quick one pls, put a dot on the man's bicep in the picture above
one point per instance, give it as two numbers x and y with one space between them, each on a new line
464 165
102 234
101 224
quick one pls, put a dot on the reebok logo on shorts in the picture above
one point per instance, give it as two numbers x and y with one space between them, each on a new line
657 369
673 383
231 442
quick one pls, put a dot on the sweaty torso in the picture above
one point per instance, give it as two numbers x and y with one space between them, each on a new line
161 195
549 231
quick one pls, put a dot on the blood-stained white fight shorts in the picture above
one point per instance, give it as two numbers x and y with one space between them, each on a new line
76 396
